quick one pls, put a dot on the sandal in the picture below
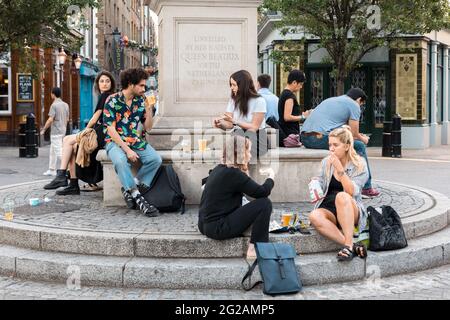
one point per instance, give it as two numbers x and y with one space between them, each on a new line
345 254
90 187
360 250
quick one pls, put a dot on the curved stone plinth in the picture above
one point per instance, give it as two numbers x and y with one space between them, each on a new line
121 248
81 225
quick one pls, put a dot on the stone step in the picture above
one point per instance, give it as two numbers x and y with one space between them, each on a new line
179 244
175 273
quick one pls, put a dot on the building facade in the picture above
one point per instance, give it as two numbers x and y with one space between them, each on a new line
118 19
412 81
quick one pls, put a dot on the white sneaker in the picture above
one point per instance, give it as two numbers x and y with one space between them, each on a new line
50 173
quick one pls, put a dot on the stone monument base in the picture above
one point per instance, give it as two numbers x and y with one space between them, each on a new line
293 169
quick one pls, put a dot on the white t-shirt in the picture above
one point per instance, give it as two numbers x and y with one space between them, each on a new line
254 105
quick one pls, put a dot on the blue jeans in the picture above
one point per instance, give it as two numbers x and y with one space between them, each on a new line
311 142
151 161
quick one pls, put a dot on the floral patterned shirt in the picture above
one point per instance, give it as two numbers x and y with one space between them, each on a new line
125 119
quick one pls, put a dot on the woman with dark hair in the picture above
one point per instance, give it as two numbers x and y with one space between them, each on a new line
105 86
245 111
221 214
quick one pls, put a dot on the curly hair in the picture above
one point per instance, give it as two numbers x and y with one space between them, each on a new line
132 76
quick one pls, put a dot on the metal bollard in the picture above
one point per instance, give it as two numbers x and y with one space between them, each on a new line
31 137
22 144
396 136
387 139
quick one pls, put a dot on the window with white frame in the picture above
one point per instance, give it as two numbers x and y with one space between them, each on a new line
5 89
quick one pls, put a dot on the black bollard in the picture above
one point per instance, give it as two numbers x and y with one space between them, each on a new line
387 139
31 137
396 136
22 144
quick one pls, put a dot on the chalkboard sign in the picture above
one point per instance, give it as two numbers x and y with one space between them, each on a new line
25 88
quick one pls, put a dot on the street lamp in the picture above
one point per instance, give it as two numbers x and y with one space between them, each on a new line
62 57
61 60
77 62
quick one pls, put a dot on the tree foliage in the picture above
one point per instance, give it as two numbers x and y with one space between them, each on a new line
348 29
25 23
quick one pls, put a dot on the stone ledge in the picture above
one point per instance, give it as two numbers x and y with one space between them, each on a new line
168 273
293 167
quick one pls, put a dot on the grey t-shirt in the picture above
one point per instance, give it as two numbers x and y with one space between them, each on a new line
332 113
59 110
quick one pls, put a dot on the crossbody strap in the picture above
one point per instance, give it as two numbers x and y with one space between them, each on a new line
249 276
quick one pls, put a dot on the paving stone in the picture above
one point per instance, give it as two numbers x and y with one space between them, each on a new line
93 216
183 246
20 235
184 273
324 268
71 269
88 243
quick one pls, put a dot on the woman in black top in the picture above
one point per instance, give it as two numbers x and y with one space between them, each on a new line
105 86
288 107
221 214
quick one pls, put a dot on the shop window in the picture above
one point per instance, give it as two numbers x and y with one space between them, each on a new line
5 106
317 87
379 96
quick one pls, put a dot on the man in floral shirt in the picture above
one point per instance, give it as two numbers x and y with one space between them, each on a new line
121 116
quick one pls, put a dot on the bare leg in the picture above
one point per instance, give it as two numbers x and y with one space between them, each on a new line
347 216
72 169
67 151
325 223
251 253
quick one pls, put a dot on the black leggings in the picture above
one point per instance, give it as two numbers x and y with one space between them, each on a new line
257 212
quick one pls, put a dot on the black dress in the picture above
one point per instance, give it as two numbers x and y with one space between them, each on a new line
333 189
94 173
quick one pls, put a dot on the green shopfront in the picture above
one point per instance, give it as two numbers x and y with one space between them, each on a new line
412 81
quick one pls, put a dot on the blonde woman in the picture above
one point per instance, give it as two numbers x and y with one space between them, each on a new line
342 177
221 214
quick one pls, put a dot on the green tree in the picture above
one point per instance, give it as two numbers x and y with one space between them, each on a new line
24 23
348 29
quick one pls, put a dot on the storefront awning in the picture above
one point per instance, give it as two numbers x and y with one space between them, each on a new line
88 70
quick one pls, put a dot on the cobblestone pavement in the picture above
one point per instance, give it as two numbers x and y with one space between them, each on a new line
86 211
430 284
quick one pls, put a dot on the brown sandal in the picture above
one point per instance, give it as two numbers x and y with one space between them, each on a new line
90 187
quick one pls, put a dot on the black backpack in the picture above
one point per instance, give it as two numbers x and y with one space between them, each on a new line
165 191
385 229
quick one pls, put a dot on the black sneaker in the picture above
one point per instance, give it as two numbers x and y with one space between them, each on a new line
143 188
131 203
59 181
146 208
69 190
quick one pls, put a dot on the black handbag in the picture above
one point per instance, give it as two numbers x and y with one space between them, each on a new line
165 191
385 229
